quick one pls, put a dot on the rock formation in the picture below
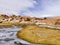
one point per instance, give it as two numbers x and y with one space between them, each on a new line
45 20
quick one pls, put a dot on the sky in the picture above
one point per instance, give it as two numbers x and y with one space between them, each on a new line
34 8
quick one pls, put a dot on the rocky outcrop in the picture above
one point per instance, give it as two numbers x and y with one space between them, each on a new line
19 19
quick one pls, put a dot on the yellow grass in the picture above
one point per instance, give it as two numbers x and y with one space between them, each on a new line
7 25
38 35
16 24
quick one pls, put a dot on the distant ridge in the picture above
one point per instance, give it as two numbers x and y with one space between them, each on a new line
22 19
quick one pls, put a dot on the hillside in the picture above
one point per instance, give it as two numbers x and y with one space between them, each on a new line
28 19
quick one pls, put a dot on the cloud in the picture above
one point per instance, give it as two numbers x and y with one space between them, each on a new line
51 7
45 8
15 6
36 8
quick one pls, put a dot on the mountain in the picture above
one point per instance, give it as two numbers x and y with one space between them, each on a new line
22 19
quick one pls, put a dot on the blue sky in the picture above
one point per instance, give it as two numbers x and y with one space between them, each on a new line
35 8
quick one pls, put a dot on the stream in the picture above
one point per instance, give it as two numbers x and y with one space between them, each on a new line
8 36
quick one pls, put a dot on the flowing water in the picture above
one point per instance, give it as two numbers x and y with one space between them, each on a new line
8 36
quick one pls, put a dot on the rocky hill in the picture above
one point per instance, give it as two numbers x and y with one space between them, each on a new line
27 19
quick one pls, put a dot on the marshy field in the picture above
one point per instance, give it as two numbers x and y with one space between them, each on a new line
29 34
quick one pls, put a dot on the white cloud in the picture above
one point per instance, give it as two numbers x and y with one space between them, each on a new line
50 8
15 6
